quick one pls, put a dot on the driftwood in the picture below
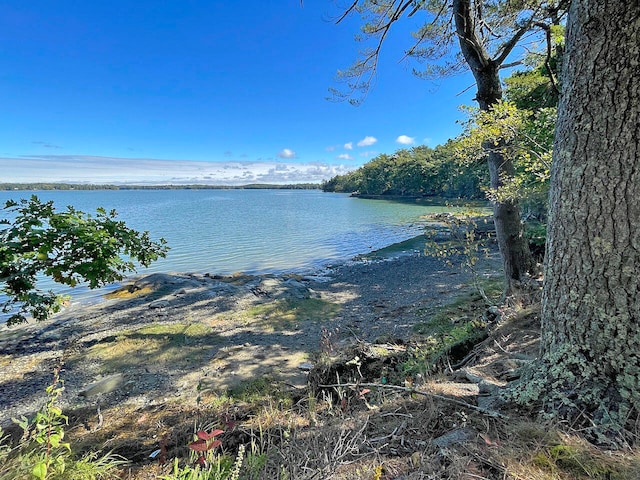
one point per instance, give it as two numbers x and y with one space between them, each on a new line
484 411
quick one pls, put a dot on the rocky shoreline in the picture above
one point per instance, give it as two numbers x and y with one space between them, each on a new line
164 338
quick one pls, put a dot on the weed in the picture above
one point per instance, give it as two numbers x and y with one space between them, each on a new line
466 240
43 454
205 464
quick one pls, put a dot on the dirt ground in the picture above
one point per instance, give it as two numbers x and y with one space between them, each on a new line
158 355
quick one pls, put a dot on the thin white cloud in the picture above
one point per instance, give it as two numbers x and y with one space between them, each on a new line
427 140
348 146
47 145
286 153
344 156
405 140
367 153
330 148
139 171
367 141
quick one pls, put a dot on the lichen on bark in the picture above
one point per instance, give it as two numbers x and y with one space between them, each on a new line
589 367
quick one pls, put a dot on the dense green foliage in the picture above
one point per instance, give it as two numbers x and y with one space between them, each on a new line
68 246
420 171
521 127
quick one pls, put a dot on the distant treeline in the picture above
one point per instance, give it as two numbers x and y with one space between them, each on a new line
73 186
419 172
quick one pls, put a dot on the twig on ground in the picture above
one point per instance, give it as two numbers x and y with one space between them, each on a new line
484 411
100 420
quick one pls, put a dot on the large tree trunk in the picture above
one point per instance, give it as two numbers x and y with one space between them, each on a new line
590 353
514 248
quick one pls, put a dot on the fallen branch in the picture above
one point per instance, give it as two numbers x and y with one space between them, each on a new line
484 411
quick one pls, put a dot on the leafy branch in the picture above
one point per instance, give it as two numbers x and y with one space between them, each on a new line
68 246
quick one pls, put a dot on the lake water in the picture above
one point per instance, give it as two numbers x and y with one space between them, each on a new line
253 231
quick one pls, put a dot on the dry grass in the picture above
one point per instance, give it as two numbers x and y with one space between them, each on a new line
343 433
392 436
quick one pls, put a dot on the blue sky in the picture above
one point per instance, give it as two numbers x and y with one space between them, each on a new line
202 91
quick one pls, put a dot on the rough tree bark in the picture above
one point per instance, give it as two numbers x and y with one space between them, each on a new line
514 248
590 352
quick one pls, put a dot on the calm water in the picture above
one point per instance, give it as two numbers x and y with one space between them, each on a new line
254 231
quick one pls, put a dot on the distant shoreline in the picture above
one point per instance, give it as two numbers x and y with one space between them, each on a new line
88 186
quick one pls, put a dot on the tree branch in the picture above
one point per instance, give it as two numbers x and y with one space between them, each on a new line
508 46
547 60
473 51
348 11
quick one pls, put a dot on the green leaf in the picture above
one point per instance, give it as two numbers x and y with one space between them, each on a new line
71 247
40 470
54 440
57 411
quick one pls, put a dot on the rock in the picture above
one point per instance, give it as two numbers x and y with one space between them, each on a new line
105 385
223 289
459 435
317 278
486 387
305 367
471 376
277 287
159 304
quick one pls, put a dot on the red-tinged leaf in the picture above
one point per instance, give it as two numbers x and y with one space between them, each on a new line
364 391
202 435
230 424
201 461
199 446
215 443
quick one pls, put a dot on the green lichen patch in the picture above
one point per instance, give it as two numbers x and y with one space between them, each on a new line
567 385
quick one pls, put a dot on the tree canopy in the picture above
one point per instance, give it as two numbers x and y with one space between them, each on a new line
419 172
454 35
486 34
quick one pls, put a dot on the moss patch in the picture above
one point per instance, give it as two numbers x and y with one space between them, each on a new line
453 330
413 244
286 314
582 462
128 292
181 344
